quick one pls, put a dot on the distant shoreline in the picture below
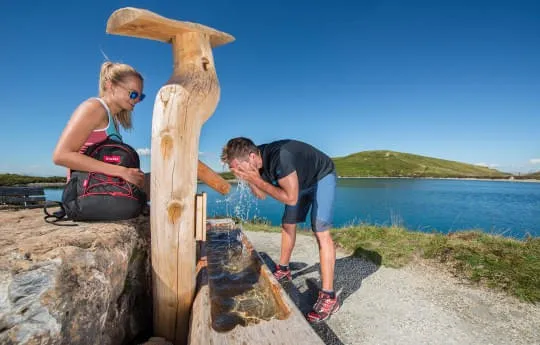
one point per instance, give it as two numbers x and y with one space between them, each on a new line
46 184
429 178
441 178
62 184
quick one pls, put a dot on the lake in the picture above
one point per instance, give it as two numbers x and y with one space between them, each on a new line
500 207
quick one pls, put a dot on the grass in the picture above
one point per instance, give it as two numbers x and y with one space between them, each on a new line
497 262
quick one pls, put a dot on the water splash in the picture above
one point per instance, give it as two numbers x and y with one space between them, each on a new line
240 203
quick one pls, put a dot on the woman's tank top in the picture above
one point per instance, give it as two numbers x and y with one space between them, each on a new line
98 135
101 134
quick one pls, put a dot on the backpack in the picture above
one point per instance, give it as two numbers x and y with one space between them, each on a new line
94 196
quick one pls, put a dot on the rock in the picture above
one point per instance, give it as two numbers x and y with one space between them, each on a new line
84 284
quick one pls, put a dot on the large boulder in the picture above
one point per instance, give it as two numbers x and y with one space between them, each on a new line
84 284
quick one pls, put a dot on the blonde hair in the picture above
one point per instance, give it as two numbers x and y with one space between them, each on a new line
116 73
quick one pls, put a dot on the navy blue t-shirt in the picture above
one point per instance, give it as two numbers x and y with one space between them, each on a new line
283 157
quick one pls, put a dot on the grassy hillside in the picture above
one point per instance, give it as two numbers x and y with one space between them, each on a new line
397 164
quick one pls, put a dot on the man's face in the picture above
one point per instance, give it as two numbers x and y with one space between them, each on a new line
233 164
246 163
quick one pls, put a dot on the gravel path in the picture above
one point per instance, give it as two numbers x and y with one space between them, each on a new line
417 304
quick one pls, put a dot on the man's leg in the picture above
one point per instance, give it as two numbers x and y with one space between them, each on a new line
327 255
321 223
291 216
288 239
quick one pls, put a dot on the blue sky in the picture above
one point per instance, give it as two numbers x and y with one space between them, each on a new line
457 80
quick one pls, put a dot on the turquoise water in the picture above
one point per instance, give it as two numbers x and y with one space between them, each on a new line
507 208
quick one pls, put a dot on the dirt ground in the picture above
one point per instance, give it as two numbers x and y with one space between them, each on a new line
417 304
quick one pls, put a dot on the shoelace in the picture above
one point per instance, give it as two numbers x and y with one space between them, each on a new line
323 303
281 272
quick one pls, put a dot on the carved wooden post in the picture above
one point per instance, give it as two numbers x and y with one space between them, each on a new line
181 107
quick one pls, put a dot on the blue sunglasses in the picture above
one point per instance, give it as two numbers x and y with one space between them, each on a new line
134 94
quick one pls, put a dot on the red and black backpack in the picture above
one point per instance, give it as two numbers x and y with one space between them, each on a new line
94 196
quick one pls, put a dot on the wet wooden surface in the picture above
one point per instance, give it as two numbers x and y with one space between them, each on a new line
294 329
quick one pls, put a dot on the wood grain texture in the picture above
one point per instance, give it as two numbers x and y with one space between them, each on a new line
212 179
181 107
199 218
141 23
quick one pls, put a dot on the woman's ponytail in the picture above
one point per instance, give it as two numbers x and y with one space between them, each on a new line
104 76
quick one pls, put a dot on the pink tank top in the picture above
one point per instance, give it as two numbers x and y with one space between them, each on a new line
99 135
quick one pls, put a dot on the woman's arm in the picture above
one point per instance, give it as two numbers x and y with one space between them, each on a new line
88 116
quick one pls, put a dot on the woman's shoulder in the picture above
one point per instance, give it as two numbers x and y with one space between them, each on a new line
91 112
92 105
93 102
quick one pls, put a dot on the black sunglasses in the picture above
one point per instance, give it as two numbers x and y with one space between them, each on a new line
134 94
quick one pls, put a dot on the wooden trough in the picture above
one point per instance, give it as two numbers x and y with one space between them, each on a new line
238 301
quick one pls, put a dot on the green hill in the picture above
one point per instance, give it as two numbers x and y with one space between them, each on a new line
397 164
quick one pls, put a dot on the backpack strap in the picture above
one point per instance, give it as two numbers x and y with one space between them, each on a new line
117 136
55 217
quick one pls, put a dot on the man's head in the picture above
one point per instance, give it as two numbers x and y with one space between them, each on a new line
239 150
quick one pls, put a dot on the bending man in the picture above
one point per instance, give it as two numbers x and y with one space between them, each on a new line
301 177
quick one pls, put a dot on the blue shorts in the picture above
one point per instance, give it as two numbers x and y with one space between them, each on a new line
320 198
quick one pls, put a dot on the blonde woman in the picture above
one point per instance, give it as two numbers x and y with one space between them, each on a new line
95 119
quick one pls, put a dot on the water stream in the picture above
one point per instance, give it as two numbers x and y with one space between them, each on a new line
240 203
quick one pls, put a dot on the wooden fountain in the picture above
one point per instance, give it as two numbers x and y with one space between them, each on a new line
182 302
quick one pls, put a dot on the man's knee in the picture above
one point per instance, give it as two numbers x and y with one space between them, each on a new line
288 228
324 237
320 225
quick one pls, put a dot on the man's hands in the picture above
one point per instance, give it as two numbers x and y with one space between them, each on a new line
246 171
286 192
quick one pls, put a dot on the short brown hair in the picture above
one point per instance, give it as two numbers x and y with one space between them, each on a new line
238 148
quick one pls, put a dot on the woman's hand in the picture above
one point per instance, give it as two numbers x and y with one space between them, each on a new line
133 175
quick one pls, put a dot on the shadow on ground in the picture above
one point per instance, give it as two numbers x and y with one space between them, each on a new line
349 272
